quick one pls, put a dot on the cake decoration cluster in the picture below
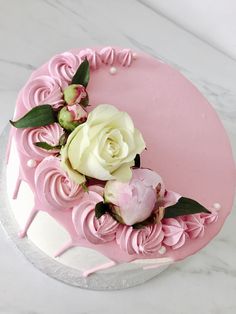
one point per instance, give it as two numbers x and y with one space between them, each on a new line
89 163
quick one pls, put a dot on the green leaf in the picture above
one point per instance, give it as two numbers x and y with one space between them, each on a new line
38 116
137 161
100 209
82 74
46 146
184 206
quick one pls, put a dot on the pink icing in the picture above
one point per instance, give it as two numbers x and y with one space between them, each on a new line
86 224
17 187
43 90
64 66
54 188
175 232
27 137
145 241
125 57
210 218
97 268
92 56
186 168
195 226
108 55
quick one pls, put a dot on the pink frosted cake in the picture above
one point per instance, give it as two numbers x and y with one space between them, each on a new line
117 163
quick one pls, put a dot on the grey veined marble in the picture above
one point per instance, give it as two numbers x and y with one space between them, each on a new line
30 33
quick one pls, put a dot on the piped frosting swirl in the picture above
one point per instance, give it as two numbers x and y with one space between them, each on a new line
41 90
28 137
145 241
195 226
63 66
88 226
210 218
54 188
175 230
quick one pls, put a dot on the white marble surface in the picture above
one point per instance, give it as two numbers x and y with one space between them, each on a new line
31 31
218 24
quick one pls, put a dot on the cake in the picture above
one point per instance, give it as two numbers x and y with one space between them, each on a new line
116 163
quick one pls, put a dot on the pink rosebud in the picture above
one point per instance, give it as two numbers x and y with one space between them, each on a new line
134 201
78 113
76 94
70 117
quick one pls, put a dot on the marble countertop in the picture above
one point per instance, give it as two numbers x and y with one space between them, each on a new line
30 33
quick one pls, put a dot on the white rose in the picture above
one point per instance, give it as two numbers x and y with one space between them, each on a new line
104 147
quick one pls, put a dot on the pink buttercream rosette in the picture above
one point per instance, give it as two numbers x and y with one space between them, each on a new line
178 230
54 189
145 241
63 66
87 226
42 90
50 134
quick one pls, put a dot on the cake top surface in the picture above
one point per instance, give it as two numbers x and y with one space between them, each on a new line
185 140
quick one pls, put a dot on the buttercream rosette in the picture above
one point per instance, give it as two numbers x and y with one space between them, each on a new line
50 134
63 66
54 188
41 90
87 226
145 241
175 232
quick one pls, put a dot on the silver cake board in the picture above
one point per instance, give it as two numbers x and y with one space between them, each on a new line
48 265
